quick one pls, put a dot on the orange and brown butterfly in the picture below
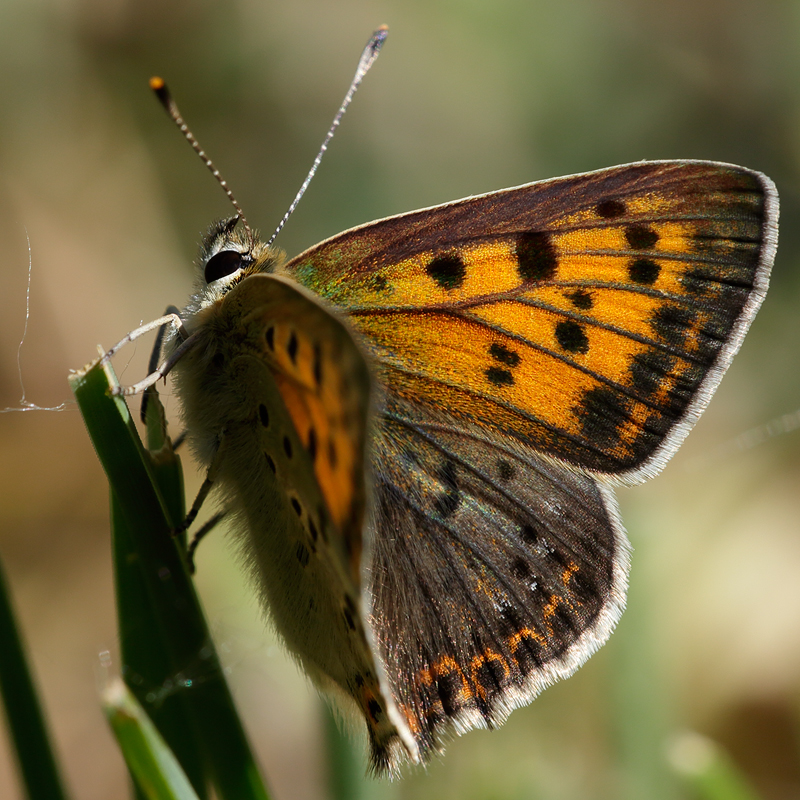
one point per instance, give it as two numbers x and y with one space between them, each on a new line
417 422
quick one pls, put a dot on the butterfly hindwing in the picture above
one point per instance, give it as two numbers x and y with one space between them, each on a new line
495 571
590 316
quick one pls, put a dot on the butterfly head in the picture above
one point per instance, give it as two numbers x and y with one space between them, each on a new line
228 255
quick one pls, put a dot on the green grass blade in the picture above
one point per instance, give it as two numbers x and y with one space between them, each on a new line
27 728
147 667
179 625
345 767
153 765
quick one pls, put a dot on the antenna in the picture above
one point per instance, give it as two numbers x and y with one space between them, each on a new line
165 98
368 57
364 63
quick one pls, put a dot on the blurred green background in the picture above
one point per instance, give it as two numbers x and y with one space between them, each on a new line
467 97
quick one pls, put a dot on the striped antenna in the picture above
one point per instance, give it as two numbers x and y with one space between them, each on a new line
165 98
364 63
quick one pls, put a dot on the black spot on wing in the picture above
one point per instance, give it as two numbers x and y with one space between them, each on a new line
536 256
584 589
499 377
649 370
640 237
449 688
528 655
520 569
572 337
448 271
490 676
505 356
312 444
447 501
374 708
564 627
602 413
644 271
610 209
672 323
529 535
581 299
350 612
506 470
291 348
301 554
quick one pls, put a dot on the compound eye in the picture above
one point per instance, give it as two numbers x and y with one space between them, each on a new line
224 263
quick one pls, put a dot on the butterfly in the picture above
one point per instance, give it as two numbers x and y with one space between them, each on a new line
416 424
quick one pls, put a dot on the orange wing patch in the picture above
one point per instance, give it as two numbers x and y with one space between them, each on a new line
581 315
324 384
323 406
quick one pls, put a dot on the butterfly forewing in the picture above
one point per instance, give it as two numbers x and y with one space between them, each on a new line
324 383
591 316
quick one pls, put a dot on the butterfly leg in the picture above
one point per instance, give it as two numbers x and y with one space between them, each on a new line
204 530
171 318
188 341
207 486
163 370
155 355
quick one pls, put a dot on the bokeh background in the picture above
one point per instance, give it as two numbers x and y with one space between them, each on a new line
467 97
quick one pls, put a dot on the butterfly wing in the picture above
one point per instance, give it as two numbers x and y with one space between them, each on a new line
277 385
590 317
494 572
524 342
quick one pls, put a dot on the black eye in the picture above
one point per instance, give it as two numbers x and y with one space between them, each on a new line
226 262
